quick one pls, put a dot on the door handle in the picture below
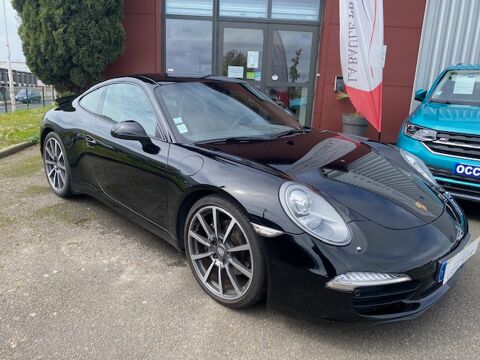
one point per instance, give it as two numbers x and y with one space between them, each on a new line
90 140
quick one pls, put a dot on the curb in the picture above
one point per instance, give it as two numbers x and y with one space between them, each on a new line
14 149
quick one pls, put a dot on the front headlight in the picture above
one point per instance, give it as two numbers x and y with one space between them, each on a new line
419 133
418 165
314 214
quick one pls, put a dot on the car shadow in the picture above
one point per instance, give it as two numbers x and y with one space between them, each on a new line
116 221
471 209
363 337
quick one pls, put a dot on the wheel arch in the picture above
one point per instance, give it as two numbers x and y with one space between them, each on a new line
45 131
191 198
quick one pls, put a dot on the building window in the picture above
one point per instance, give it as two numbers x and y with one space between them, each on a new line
190 7
244 8
291 55
296 10
188 47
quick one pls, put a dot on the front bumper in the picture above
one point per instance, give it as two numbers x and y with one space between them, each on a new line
442 167
298 286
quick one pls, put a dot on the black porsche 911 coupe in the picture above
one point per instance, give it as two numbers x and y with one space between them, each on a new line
340 227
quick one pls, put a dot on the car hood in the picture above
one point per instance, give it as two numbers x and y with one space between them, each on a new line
448 117
348 172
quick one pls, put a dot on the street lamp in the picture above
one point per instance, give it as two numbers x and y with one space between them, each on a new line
9 64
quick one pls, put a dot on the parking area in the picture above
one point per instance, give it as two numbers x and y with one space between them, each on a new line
79 281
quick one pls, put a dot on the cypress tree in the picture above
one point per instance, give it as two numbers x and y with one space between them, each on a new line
68 43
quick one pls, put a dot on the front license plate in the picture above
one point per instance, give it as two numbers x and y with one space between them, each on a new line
467 170
449 267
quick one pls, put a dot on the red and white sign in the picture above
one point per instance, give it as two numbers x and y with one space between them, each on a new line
361 56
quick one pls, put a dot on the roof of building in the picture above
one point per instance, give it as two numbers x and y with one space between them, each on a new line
17 66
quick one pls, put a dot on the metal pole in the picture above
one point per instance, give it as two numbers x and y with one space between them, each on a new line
4 92
43 95
9 64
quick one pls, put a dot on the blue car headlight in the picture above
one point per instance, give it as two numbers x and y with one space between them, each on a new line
417 163
419 133
313 214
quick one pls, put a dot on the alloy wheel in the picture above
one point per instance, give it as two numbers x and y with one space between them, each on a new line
55 164
220 253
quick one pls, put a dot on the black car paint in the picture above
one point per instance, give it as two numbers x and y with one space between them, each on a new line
156 190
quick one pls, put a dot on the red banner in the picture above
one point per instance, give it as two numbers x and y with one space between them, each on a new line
361 55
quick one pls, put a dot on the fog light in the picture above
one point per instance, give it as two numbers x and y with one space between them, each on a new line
350 281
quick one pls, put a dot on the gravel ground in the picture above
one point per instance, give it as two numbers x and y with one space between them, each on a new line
78 281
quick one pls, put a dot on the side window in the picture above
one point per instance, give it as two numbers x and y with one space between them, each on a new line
128 102
91 101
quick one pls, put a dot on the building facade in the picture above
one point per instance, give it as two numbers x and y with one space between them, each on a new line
21 75
286 48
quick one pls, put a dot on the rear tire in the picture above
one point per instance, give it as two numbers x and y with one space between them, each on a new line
56 165
220 243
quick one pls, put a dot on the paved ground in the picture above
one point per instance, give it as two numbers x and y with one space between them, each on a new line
78 281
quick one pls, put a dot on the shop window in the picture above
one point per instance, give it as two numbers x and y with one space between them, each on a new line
290 60
188 47
240 45
296 10
244 8
190 7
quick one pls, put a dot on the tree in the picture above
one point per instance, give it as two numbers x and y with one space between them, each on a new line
294 74
68 43
295 92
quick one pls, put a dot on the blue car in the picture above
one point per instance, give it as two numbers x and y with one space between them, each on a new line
444 131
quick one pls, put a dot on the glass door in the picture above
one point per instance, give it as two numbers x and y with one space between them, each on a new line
241 52
290 75
277 59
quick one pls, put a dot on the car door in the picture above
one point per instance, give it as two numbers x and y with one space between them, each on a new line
125 172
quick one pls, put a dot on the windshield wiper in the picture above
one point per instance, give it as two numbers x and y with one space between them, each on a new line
292 132
233 139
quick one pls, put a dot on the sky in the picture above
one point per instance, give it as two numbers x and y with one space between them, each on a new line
16 53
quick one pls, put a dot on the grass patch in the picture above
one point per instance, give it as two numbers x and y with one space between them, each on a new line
5 220
66 212
36 190
21 126
24 167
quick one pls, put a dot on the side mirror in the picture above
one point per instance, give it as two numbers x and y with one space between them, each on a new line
132 130
420 95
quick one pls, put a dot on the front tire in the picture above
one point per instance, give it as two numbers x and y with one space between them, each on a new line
56 165
224 253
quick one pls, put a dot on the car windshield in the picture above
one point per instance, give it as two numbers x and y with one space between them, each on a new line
202 111
458 87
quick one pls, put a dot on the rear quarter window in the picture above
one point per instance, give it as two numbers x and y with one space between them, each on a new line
91 101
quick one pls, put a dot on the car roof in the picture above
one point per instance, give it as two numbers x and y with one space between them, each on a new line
463 67
159 78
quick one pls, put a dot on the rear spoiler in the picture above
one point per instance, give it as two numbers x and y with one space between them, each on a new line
65 100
